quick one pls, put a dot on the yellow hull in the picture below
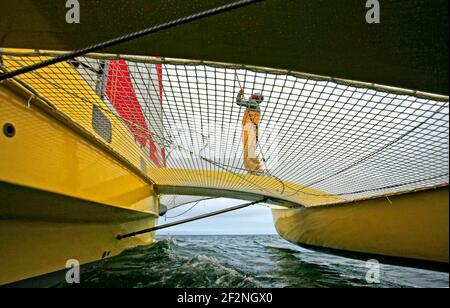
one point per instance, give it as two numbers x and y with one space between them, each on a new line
412 226
63 197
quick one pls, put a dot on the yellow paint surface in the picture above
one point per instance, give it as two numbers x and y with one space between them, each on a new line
414 226
46 155
245 183
72 95
33 248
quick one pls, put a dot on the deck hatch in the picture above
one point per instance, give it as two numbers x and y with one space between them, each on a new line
101 124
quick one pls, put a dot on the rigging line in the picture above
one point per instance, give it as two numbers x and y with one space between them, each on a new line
76 64
195 204
367 190
237 78
383 187
83 99
223 166
330 136
88 101
197 91
296 191
170 142
261 151
183 221
269 142
205 73
204 139
181 164
131 36
170 113
107 110
381 121
260 148
236 156
300 190
267 169
377 151
183 100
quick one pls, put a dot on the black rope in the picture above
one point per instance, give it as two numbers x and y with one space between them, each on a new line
237 207
129 37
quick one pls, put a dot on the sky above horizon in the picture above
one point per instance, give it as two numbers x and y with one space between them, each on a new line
255 219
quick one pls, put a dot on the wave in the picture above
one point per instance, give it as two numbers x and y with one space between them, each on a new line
240 262
159 265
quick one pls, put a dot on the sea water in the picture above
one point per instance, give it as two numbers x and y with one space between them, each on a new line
243 261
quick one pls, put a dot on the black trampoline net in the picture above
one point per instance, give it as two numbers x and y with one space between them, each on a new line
339 138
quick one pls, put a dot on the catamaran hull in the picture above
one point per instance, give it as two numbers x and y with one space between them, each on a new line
41 231
62 197
408 229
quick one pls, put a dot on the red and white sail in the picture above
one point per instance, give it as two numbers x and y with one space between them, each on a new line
134 92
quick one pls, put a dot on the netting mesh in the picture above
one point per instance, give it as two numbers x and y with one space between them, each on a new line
180 125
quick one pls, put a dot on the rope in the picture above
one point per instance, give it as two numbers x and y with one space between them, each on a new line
130 37
230 209
185 212
260 148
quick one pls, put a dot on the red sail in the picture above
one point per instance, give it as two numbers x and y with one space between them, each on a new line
121 93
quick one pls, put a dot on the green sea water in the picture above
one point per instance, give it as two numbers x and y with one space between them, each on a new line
246 261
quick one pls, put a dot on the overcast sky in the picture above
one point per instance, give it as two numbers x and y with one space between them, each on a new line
255 219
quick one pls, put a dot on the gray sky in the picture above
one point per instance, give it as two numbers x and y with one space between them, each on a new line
255 219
